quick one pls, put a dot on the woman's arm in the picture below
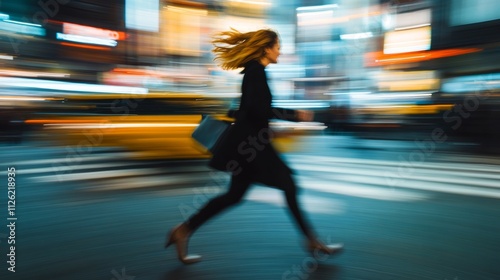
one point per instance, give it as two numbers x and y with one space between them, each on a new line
259 101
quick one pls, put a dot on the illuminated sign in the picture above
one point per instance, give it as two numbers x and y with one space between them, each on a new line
82 30
86 40
142 15
409 40
90 35
22 27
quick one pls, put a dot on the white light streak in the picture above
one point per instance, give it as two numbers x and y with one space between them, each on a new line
69 87
412 27
354 36
87 40
316 8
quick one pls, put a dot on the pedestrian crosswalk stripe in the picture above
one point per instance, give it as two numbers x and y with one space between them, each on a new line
310 203
361 190
370 178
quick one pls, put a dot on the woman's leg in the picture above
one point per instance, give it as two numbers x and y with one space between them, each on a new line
313 244
288 185
238 187
180 234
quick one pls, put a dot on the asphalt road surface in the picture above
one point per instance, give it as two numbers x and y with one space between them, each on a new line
402 212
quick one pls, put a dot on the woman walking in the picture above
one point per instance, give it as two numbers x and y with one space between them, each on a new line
247 152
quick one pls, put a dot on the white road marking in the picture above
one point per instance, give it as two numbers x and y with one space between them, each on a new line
359 190
368 178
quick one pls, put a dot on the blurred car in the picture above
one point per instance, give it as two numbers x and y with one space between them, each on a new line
152 126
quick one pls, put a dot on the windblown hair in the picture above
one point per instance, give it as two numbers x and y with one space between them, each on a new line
234 49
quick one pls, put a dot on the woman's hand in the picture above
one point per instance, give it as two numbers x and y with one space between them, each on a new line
304 116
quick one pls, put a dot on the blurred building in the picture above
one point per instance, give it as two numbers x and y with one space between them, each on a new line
370 64
77 37
338 51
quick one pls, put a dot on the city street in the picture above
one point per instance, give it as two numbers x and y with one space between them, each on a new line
404 209
387 112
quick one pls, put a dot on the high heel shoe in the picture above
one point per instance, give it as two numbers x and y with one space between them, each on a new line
315 246
180 236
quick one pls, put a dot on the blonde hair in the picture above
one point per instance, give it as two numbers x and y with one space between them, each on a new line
234 49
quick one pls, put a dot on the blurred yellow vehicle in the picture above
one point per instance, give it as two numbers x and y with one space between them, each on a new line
153 126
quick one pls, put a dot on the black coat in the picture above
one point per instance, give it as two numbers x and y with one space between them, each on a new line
246 150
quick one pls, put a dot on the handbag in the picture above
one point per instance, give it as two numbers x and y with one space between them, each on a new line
211 131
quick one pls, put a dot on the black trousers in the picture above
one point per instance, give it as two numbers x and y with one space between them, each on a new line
237 189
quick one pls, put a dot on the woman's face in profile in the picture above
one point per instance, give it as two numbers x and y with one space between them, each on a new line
273 53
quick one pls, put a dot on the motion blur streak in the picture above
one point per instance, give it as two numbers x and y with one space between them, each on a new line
99 99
